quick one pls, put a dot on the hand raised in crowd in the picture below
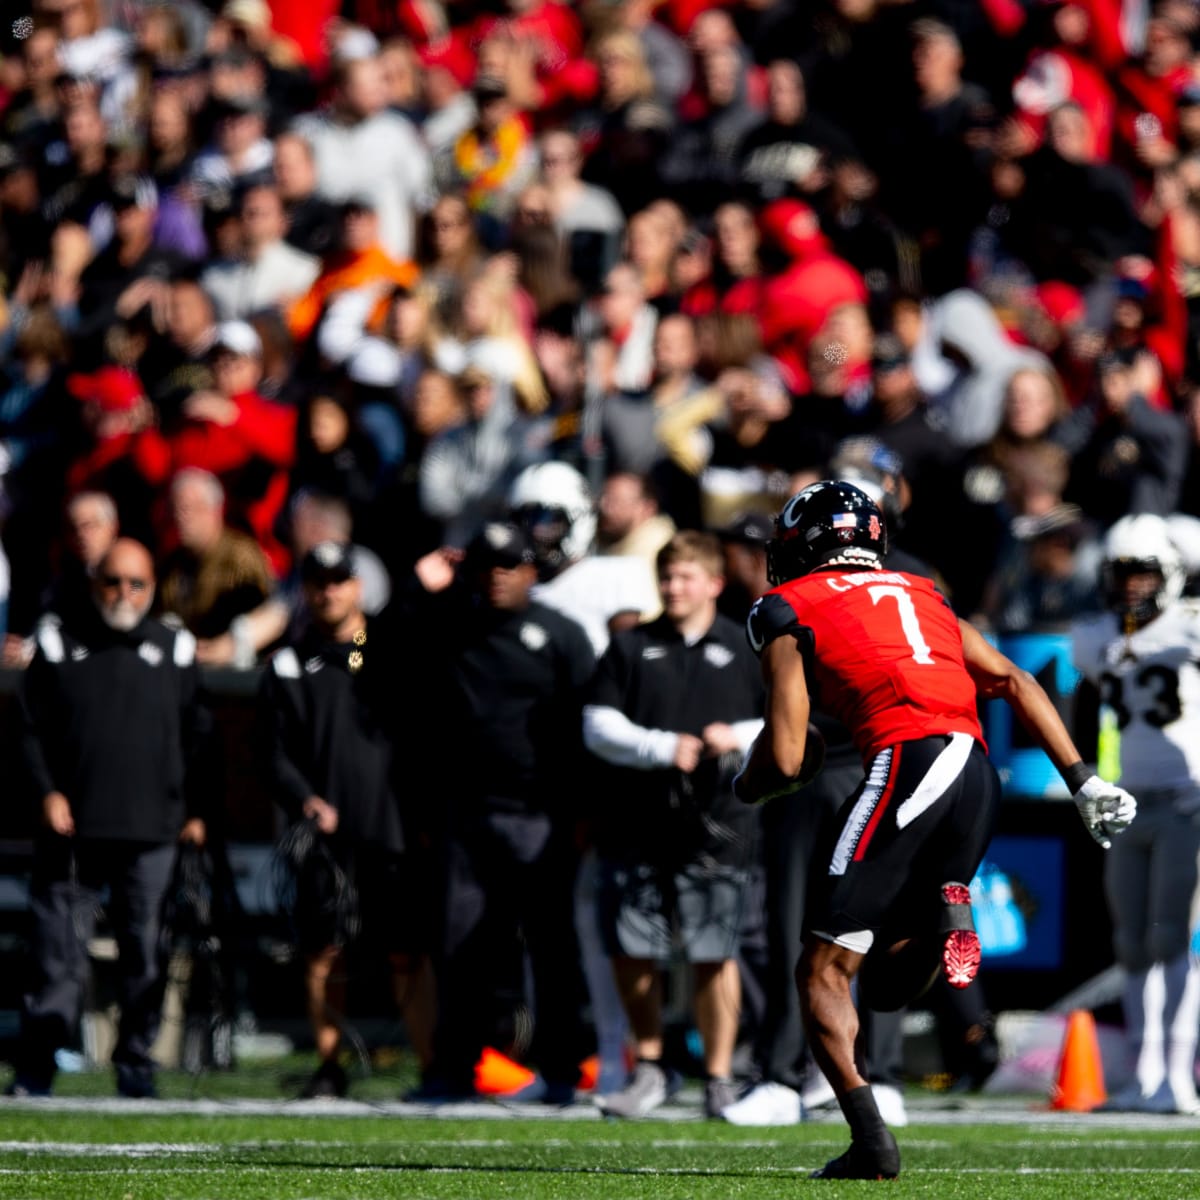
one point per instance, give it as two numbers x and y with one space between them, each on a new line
1145 375
719 739
321 811
16 651
1156 151
32 284
70 252
217 651
689 750
435 571
1015 138
194 832
210 406
143 292
56 810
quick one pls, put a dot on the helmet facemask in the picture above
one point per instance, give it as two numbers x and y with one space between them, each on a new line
547 528
1141 544
1141 607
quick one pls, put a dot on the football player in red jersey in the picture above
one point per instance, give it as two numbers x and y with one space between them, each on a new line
882 652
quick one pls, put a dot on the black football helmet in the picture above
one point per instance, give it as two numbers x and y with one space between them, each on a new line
831 521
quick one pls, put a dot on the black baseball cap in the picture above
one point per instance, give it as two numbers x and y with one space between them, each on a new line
749 529
501 544
888 353
134 191
329 562
359 202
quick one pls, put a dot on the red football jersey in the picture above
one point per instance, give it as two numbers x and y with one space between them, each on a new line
883 653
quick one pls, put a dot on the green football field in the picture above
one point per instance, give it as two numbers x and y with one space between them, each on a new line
98 1149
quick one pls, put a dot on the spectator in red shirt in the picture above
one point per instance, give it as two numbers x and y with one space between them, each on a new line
247 442
549 39
735 284
1147 95
116 418
797 302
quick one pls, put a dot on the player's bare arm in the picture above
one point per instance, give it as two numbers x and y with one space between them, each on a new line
997 677
1105 808
786 754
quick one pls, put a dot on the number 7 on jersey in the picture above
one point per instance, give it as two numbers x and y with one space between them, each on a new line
909 624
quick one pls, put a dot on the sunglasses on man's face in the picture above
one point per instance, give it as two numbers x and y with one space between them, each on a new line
115 581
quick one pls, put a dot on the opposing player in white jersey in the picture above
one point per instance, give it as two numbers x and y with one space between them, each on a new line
1144 657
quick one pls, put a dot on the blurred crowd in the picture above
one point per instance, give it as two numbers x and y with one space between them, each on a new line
267 269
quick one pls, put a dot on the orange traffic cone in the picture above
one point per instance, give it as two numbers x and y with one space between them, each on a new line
589 1069
589 1073
1080 1086
497 1075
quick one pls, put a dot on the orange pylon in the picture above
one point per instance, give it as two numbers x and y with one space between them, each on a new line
497 1075
589 1069
1080 1086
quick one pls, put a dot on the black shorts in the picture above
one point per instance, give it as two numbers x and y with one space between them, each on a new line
923 816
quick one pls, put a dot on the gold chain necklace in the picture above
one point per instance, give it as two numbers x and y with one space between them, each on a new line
354 660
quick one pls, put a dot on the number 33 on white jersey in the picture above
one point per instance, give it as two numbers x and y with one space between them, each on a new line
1151 681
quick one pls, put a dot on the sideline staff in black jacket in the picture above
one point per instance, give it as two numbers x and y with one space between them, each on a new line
112 719
506 687
336 724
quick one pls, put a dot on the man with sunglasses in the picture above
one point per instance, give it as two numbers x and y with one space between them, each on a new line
113 722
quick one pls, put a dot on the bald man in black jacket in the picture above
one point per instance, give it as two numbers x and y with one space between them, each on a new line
113 723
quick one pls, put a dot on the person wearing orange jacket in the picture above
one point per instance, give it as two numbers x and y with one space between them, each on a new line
362 262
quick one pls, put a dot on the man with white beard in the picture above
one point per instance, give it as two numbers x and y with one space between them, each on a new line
112 725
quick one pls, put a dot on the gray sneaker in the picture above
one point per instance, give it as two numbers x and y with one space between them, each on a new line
719 1094
647 1087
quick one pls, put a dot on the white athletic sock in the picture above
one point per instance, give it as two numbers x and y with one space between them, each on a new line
1144 996
1181 1021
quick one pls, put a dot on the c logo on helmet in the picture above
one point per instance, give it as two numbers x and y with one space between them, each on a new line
790 517
757 642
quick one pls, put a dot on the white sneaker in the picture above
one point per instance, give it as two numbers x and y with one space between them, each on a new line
765 1104
890 1103
817 1092
650 1085
1184 1091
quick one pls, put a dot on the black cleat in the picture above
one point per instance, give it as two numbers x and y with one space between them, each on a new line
327 1082
881 1160
136 1082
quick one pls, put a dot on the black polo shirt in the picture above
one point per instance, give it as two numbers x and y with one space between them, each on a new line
659 681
